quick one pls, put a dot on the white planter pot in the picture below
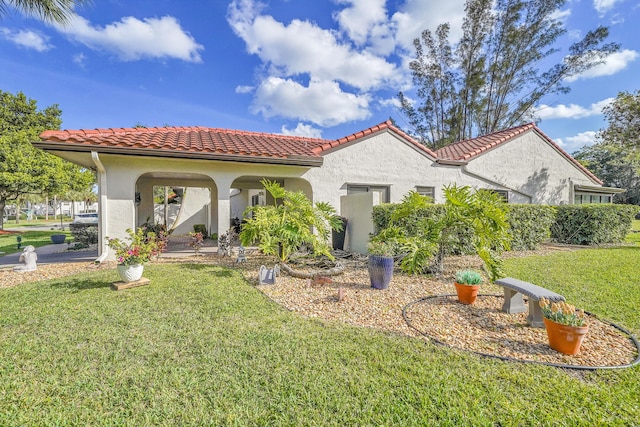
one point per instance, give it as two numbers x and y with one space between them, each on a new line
130 273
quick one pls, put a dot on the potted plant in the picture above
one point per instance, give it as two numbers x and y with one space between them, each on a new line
58 239
381 263
566 326
131 256
468 285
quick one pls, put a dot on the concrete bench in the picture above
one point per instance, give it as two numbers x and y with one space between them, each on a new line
514 289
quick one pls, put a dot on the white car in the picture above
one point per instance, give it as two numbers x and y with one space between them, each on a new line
85 218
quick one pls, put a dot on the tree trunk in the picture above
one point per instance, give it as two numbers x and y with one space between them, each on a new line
2 205
338 269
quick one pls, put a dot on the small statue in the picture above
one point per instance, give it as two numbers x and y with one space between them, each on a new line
267 276
28 257
241 256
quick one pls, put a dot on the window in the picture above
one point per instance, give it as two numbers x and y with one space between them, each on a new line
383 190
580 198
426 191
503 193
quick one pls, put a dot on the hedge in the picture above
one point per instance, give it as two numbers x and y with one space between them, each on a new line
533 224
593 224
84 233
530 225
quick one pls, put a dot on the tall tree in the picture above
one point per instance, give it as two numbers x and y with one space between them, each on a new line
23 168
492 78
615 157
58 11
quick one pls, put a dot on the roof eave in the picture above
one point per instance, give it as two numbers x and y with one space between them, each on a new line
594 189
293 160
449 162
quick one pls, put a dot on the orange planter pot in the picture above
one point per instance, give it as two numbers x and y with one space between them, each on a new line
467 294
563 338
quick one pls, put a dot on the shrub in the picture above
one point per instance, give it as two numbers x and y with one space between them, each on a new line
85 234
200 228
593 224
530 225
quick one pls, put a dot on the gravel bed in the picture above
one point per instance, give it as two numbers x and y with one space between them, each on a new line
482 327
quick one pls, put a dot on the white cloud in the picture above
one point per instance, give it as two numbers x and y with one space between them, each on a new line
571 111
572 144
414 16
80 60
304 48
244 89
132 39
28 39
366 24
603 6
322 102
303 130
612 64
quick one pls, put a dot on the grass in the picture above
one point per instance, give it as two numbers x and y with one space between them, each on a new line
9 242
200 346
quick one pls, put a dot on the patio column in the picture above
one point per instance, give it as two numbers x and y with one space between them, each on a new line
224 204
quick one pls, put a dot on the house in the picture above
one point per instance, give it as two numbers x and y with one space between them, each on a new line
221 169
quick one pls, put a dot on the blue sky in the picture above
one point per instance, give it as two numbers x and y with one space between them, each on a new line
315 68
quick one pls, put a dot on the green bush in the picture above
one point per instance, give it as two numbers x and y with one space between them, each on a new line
593 224
530 225
460 239
200 228
84 233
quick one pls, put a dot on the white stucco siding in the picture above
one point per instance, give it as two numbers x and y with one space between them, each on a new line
532 166
382 159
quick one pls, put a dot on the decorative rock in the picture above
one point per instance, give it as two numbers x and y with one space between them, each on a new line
267 276
322 280
29 258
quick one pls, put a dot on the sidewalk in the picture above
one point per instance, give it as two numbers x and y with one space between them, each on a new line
52 254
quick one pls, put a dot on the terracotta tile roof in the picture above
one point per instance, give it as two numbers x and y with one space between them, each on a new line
469 148
186 141
370 131
209 142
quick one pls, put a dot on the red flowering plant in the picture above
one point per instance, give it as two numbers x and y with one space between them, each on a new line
141 246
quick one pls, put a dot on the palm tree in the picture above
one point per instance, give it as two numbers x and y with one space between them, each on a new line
54 11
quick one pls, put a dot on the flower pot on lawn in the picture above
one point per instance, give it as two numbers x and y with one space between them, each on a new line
564 338
58 239
467 294
130 273
467 285
380 271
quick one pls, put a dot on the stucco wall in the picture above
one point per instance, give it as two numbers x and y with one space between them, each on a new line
383 159
532 166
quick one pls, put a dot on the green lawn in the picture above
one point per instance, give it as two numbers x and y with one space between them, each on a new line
9 242
200 346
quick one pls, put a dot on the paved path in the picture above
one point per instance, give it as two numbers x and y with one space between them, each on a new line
52 254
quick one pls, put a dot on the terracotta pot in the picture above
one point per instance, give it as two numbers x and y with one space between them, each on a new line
467 293
130 273
563 338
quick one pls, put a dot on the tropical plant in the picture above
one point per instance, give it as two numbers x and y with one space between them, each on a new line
561 312
141 246
481 212
382 248
54 11
293 221
468 277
